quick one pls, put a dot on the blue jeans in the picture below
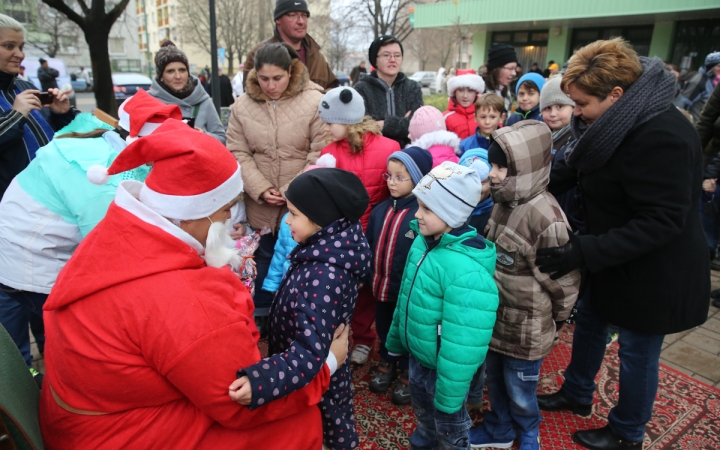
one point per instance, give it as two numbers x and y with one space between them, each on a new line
639 364
263 255
435 429
383 319
710 224
16 309
475 396
512 389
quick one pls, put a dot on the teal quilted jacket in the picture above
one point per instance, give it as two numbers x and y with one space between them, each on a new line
446 310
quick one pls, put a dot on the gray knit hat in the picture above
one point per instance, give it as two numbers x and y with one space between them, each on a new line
283 7
342 105
167 54
451 191
552 94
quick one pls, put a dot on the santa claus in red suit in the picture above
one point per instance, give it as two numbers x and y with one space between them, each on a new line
147 324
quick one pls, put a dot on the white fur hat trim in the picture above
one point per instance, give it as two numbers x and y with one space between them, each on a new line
470 80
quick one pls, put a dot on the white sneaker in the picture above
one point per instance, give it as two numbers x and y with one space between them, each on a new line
360 354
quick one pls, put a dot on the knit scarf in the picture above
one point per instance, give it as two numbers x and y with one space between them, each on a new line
182 93
650 95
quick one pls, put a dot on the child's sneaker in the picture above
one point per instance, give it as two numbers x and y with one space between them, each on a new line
401 393
530 440
383 377
480 438
37 376
360 354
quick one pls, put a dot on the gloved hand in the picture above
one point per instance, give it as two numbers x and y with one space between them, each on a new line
560 260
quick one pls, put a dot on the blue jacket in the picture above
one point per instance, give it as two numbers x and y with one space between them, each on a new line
317 295
390 239
519 114
477 140
280 262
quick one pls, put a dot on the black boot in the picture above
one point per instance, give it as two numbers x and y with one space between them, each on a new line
560 402
715 293
603 439
716 302
383 377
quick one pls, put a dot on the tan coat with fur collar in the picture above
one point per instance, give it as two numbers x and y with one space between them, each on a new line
274 140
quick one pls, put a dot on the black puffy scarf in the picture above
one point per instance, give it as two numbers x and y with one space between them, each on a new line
650 95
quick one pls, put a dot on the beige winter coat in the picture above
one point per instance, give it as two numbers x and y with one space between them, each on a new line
524 219
274 140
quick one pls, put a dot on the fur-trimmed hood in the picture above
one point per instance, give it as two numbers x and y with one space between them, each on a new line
299 81
440 137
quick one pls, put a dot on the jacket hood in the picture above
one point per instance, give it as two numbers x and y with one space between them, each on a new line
440 137
528 148
122 248
198 94
299 81
341 244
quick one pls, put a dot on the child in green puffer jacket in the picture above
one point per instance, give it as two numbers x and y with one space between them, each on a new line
447 304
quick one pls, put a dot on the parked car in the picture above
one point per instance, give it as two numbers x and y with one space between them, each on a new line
32 64
424 78
78 84
126 84
342 77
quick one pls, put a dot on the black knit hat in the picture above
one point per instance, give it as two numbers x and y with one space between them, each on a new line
499 55
379 42
326 195
496 155
283 7
167 54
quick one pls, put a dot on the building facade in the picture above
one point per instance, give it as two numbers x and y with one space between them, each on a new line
681 32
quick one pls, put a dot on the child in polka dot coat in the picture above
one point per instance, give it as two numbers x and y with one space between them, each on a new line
317 295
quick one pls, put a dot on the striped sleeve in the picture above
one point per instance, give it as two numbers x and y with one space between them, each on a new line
11 126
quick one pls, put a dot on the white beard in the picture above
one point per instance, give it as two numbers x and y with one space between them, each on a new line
220 247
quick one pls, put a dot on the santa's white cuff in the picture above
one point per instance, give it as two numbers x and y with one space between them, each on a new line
331 362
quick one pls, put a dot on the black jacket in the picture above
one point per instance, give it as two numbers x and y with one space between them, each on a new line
47 76
708 124
14 156
390 239
645 249
407 96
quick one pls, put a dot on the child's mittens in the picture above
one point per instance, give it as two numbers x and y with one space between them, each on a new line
241 391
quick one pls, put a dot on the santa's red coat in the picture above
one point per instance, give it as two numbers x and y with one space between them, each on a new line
139 328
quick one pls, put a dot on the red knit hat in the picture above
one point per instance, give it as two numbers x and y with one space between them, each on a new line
142 114
193 174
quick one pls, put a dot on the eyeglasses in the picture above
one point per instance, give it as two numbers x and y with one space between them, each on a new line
388 56
297 15
513 68
397 180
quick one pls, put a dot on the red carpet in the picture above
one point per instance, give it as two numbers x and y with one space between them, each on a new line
686 414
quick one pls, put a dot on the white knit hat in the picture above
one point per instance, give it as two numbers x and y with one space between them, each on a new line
466 80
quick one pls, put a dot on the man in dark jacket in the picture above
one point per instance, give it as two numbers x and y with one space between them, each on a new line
390 98
291 17
638 164
356 71
47 75
226 90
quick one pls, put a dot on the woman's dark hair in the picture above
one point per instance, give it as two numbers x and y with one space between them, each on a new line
280 55
97 132
491 84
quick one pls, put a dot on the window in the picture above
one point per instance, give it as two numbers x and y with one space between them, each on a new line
638 36
521 38
116 45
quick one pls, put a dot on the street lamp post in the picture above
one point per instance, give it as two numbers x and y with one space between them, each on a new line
214 80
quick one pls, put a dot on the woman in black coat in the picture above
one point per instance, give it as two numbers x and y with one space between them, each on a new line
638 165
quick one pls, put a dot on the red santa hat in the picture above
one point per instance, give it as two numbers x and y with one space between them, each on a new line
466 78
193 174
142 114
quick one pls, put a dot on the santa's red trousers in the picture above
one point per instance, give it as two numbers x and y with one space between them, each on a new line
363 317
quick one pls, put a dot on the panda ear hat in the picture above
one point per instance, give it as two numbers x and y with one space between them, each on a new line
342 105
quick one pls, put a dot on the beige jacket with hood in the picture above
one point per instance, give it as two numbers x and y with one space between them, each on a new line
274 140
524 219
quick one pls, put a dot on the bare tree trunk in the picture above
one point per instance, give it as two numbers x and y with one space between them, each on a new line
231 58
97 40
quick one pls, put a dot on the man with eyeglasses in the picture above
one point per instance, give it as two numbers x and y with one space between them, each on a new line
291 19
390 97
